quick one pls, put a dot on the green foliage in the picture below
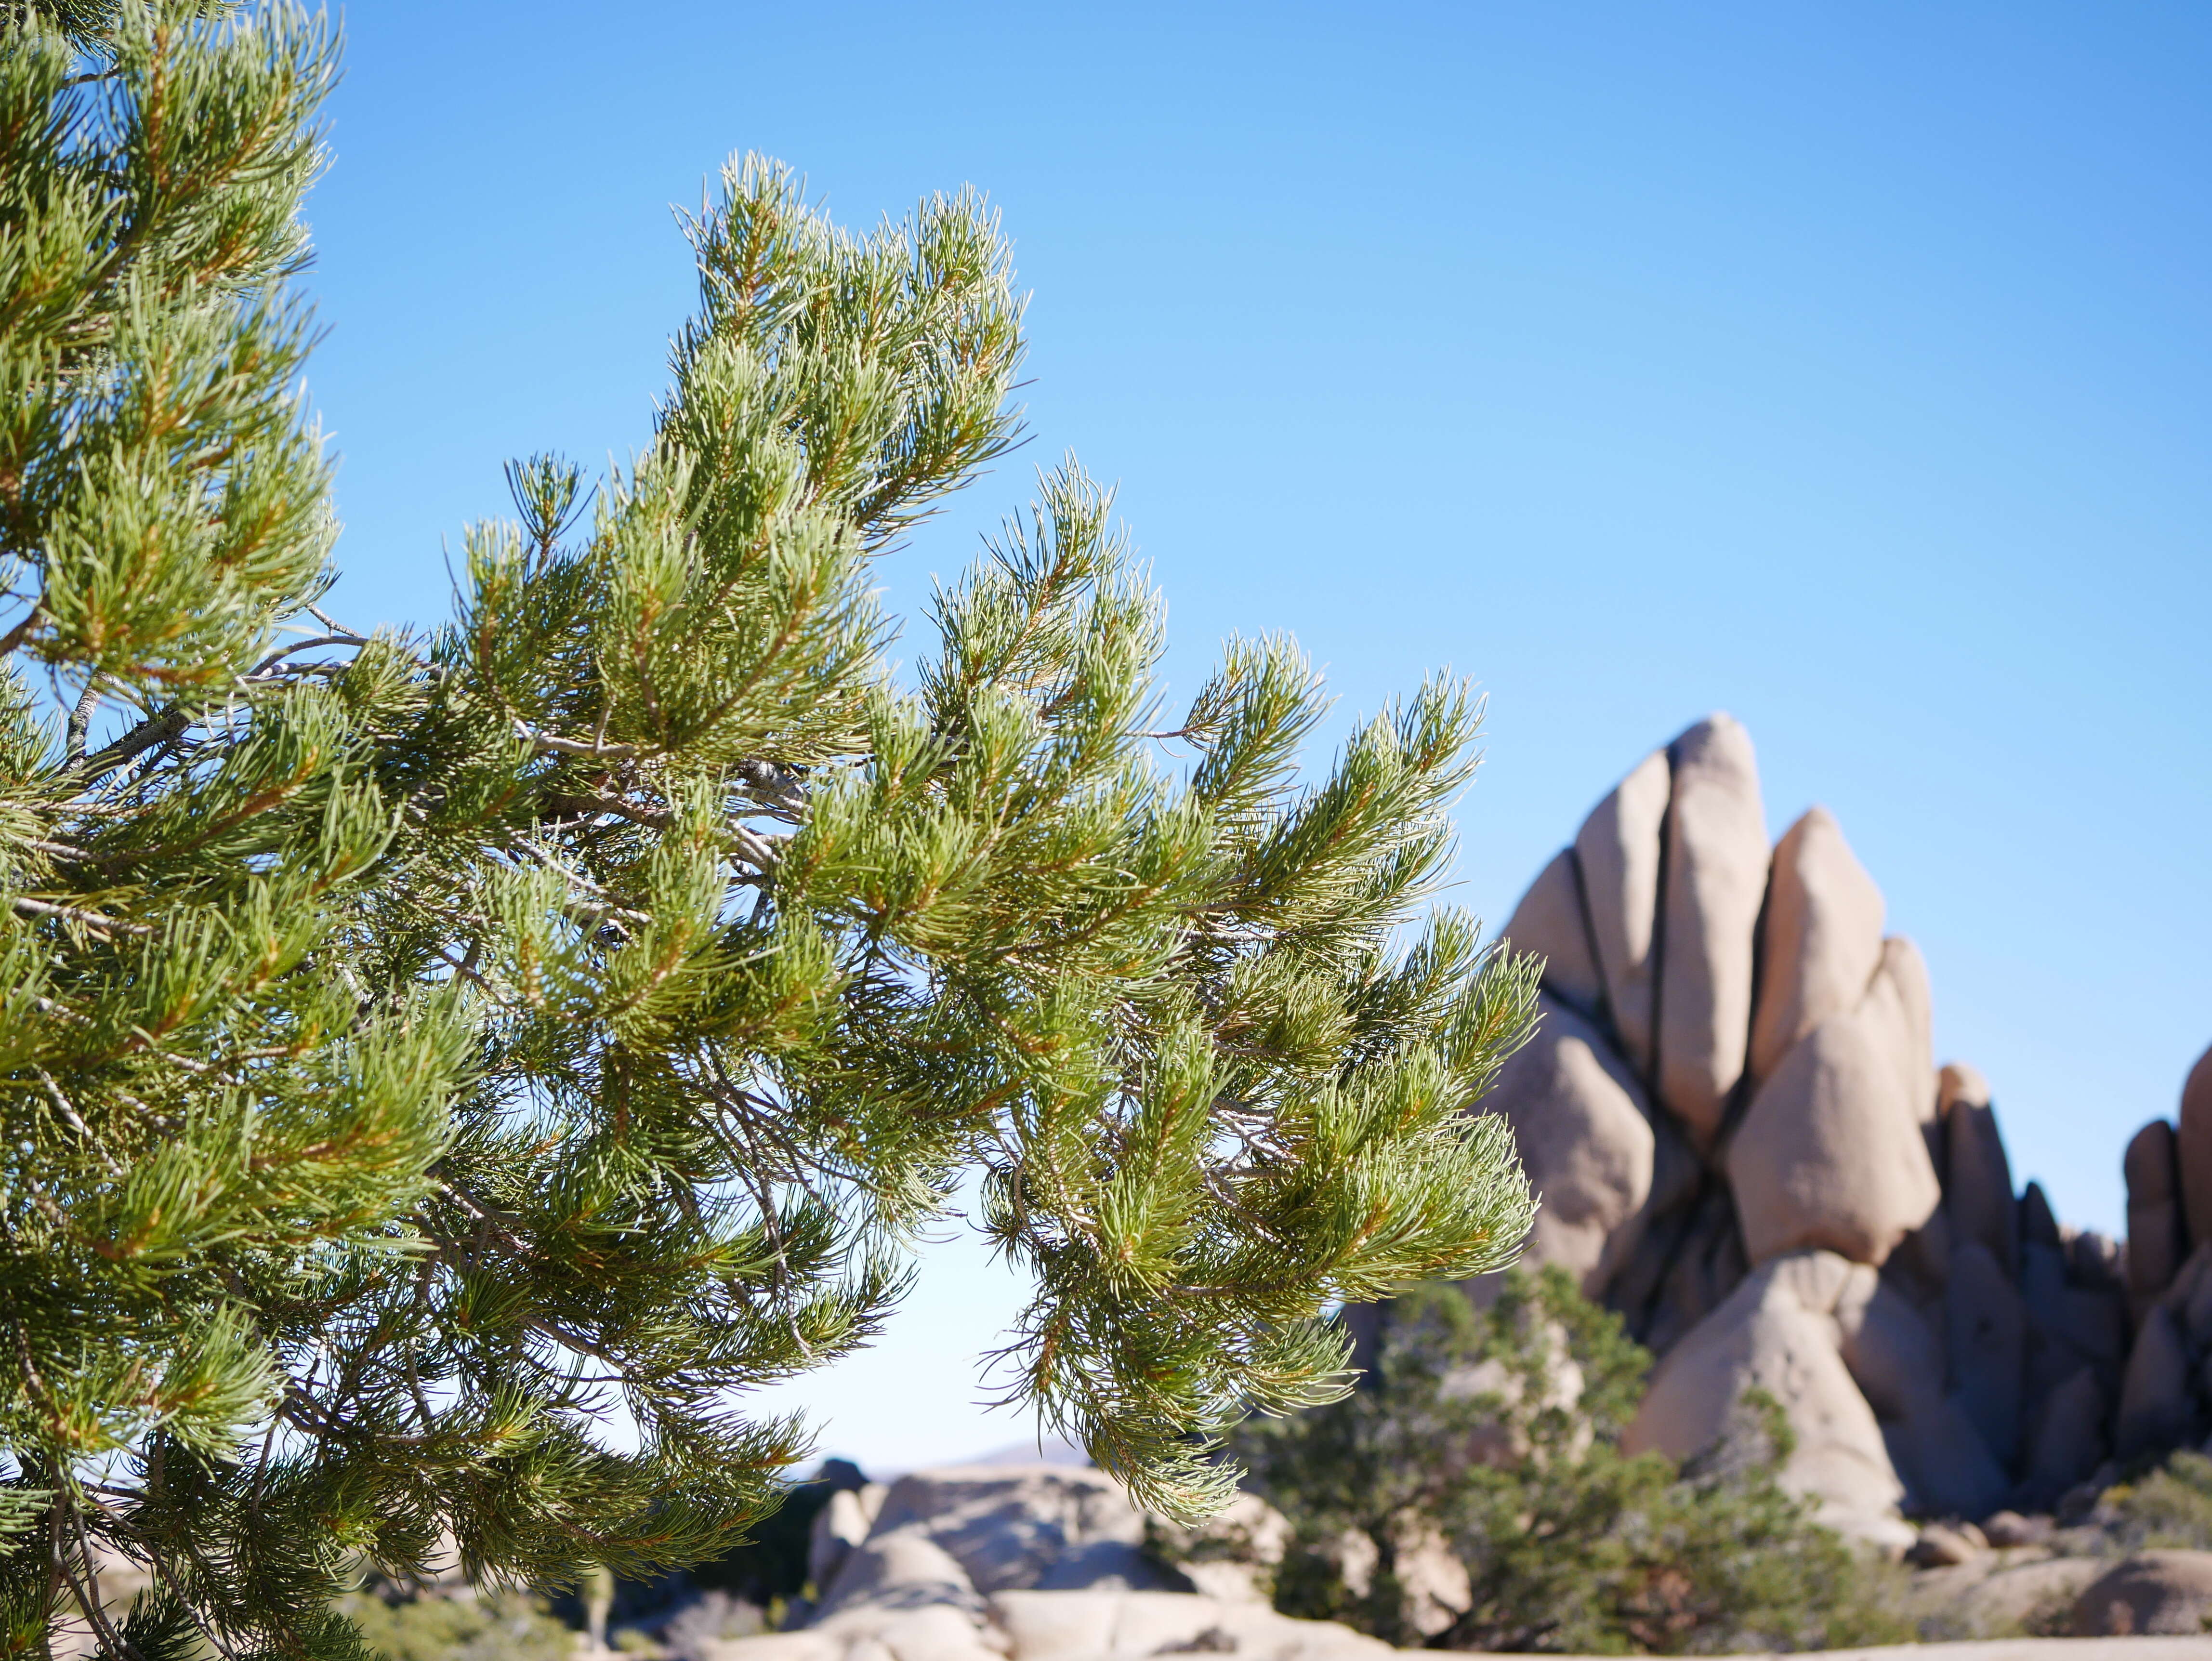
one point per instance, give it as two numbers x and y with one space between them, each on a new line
414 1048
491 1626
2168 1509
1471 1445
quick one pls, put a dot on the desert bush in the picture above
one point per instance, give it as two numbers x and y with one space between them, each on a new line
1473 1494
504 1626
2169 1509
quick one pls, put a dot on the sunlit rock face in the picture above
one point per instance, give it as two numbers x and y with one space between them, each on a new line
1028 1563
1744 1146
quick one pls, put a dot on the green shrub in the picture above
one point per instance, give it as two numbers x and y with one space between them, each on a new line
1468 1445
495 1626
2169 1509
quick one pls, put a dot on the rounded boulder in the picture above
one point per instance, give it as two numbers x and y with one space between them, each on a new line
1821 940
1778 1332
1585 1142
2153 1593
1618 848
1715 878
1830 1153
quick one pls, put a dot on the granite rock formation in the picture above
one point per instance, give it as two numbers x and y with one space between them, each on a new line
1025 1563
1743 1144
1048 1563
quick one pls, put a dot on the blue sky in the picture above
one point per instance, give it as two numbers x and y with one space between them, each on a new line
1844 368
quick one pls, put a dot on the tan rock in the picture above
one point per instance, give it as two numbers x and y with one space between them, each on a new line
1061 1626
1820 941
2155 1408
1922 1260
1896 1358
839 1526
1038 1535
1954 1084
1900 985
1062 1623
772 1646
1957 1082
2193 1149
1778 1331
1939 1546
2157 1240
2007 1528
1618 847
1549 922
1715 879
899 1597
1888 1346
2153 1592
1432 1578
902 1566
1585 1141
1064 1626
2004 1599
1977 1191
1023 1526
1830 1154
699 1625
926 1632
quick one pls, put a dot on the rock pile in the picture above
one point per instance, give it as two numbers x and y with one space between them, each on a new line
1021 1563
1049 1563
1743 1144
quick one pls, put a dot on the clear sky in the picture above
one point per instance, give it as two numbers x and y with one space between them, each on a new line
1841 367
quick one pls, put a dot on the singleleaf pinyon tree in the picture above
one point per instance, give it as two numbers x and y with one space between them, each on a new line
1464 1446
412 1045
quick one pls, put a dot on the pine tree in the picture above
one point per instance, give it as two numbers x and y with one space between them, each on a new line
1491 1439
416 1047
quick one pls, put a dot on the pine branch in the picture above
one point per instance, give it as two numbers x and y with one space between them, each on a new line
410 1044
